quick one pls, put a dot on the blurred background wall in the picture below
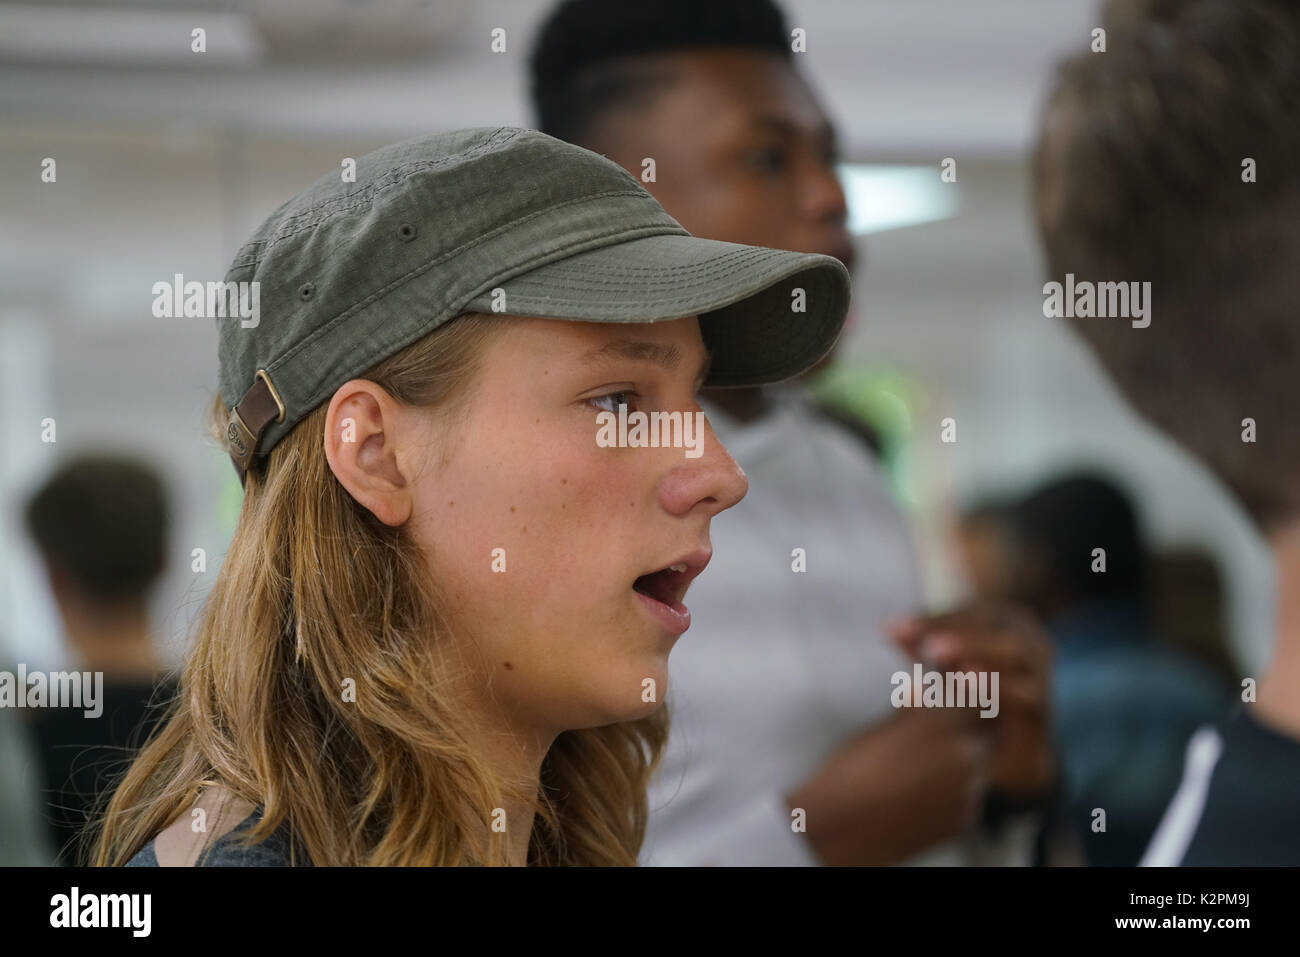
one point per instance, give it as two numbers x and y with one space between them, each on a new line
167 159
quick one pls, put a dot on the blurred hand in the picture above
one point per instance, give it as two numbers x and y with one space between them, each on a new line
897 789
1008 640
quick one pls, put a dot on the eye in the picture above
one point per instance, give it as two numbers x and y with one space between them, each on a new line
771 159
612 400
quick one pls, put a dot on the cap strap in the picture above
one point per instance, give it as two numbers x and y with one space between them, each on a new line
260 406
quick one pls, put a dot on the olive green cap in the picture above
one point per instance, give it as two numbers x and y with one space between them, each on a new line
495 220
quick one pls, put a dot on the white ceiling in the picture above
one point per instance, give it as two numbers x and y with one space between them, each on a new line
167 159
904 77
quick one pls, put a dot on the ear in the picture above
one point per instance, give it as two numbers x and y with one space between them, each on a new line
365 448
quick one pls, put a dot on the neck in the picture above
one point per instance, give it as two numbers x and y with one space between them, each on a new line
1278 703
517 757
116 641
512 751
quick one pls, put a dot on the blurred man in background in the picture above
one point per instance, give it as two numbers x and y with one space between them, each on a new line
1171 159
100 524
1124 703
781 700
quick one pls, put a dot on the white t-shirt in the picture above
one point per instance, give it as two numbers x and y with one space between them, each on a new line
779 666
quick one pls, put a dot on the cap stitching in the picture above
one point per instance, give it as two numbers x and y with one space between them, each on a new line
255 261
674 273
341 205
365 196
355 200
681 298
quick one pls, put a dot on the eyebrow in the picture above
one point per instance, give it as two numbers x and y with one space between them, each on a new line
639 350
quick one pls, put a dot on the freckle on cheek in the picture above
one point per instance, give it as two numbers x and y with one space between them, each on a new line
512 508
564 481
451 504
509 666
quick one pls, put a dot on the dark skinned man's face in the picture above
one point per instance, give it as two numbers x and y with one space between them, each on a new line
743 153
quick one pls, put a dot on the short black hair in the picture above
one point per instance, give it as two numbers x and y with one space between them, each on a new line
1062 521
103 521
580 61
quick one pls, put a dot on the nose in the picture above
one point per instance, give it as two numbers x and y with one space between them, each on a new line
711 482
823 195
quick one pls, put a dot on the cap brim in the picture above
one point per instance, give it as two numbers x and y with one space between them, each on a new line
753 321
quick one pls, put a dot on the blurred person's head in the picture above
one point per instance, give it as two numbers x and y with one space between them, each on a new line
1057 530
1140 175
100 523
742 149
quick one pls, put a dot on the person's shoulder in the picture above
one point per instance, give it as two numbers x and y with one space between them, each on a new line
212 834
1246 794
1250 742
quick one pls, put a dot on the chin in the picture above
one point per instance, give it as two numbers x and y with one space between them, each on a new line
606 713
631 706
643 709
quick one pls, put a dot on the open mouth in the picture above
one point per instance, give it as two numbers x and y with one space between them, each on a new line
661 592
667 586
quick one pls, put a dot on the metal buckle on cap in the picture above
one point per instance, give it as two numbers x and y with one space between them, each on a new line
260 406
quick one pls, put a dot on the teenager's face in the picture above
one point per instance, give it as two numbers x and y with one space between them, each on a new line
743 152
539 533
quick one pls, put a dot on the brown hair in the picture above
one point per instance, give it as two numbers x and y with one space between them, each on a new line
1139 176
314 590
102 520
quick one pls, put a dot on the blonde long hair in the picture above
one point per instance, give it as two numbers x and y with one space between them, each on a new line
314 590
